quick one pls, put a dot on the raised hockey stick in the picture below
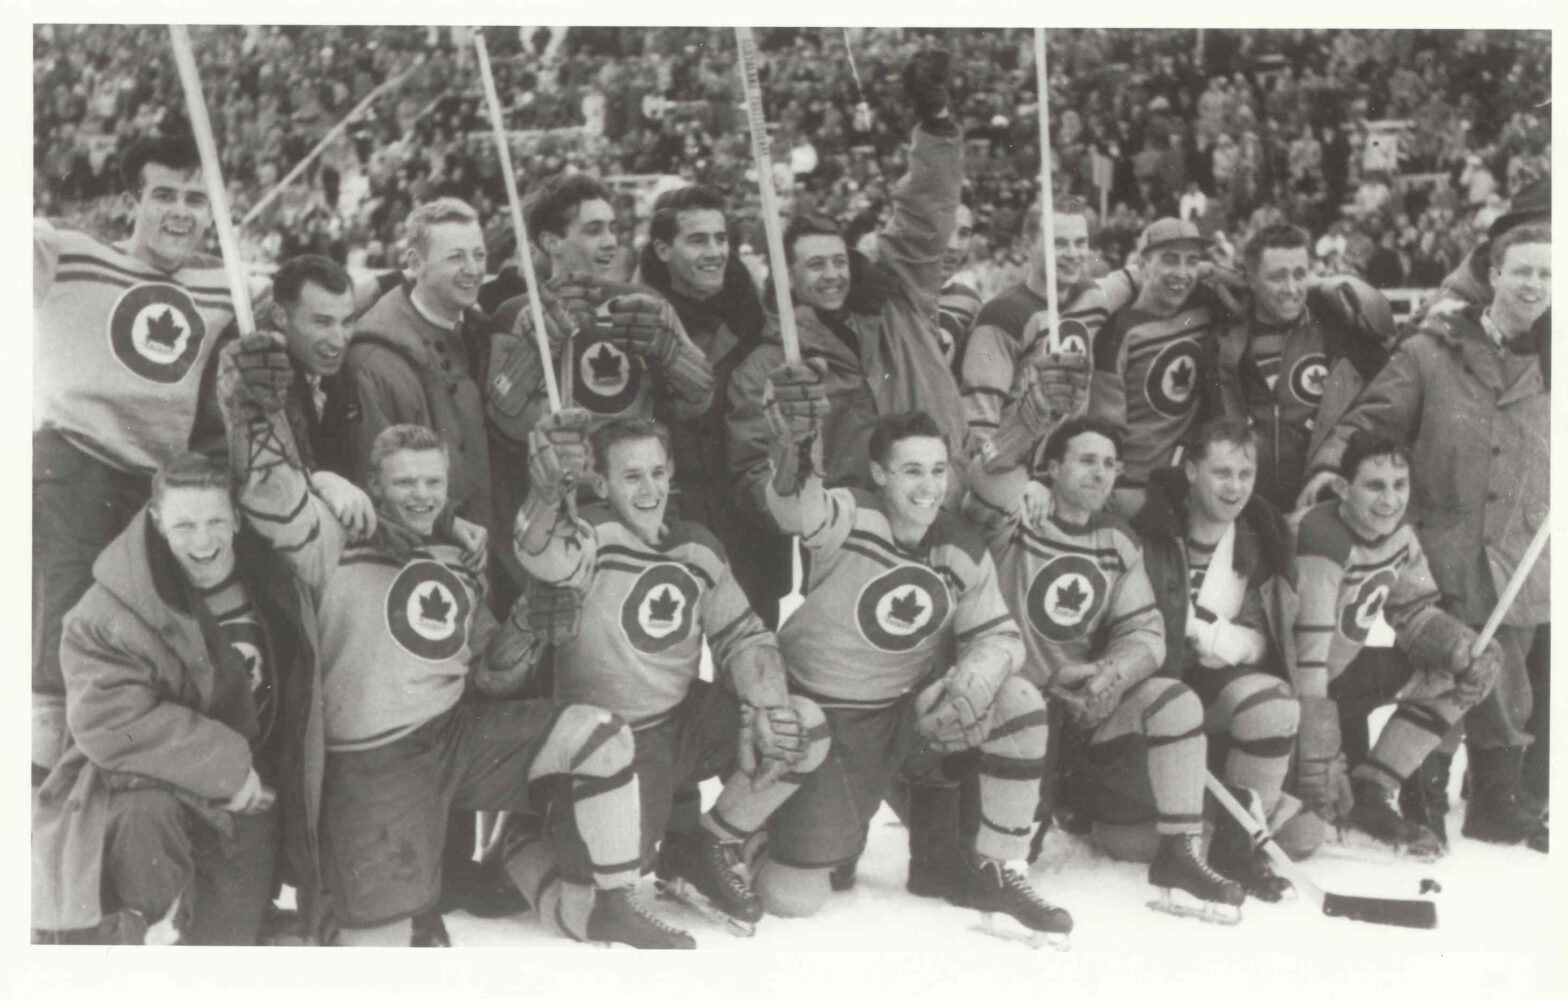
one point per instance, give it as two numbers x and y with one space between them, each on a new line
1515 584
770 207
212 178
1416 913
525 256
1047 206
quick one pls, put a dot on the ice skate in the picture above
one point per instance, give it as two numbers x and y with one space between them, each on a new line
619 918
704 873
1189 887
1234 854
1376 814
1499 810
997 888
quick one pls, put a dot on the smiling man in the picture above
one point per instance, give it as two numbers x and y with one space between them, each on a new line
655 588
313 306
1469 396
122 337
1153 360
1356 559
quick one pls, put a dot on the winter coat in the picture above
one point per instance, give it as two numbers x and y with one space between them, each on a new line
895 364
1477 417
141 685
1261 555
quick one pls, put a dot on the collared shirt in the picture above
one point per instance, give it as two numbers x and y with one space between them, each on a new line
446 324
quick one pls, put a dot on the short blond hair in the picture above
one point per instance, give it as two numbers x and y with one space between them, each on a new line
434 213
405 437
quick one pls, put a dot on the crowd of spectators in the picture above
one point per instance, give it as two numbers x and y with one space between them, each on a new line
1234 128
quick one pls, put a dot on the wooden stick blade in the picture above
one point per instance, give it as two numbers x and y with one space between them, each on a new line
1414 913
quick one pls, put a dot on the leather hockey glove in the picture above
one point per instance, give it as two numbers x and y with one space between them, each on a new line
1050 388
261 361
559 324
645 324
1474 676
579 294
558 453
925 85
554 612
772 741
954 713
795 404
1320 766
254 376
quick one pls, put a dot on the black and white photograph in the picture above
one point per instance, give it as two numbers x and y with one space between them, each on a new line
1060 508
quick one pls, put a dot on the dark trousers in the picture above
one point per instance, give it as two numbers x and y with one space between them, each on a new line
1372 679
79 506
157 851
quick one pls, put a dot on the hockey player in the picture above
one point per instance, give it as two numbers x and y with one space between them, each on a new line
1154 358
1218 557
1468 394
905 641
654 589
1294 363
1013 325
1356 557
403 625
867 321
1075 579
123 334
195 753
958 302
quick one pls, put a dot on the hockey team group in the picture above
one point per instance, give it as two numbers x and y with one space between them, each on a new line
308 599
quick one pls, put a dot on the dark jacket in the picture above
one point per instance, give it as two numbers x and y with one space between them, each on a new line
1261 555
145 672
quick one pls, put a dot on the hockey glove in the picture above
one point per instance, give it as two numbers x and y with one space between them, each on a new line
558 454
559 324
265 374
253 382
579 294
795 404
1474 676
1320 767
1049 389
925 85
554 612
645 325
954 713
772 741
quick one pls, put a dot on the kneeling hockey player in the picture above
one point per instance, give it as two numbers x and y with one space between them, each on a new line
653 590
1075 580
906 643
1356 557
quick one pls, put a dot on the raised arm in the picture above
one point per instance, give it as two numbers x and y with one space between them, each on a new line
553 545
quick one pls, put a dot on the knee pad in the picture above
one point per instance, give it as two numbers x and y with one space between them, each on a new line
1137 842
1173 709
1019 712
791 891
586 742
1270 710
818 737
1301 835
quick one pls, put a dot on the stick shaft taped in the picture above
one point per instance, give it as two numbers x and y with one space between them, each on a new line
212 178
1047 206
525 257
770 207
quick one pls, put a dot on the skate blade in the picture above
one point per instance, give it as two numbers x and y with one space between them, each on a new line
1354 844
1217 913
1016 933
682 893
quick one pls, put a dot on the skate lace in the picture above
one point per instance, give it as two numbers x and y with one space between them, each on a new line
1189 846
725 858
635 906
1015 881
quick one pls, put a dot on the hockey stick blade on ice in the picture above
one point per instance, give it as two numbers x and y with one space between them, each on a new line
1415 913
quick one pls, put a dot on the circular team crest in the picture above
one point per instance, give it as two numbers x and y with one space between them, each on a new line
902 607
1172 379
608 378
245 638
1362 610
427 610
1307 378
658 611
156 332
1066 597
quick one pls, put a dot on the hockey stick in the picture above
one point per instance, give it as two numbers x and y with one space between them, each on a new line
1047 198
1515 584
212 178
1418 914
770 207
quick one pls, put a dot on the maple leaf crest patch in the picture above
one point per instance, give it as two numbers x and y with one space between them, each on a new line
902 608
608 378
156 332
659 609
1307 378
428 610
1361 611
1066 597
1172 377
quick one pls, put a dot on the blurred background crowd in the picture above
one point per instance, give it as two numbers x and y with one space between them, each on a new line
1395 148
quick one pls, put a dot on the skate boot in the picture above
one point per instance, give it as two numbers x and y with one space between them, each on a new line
997 887
704 872
618 917
937 861
1179 866
1374 814
1424 796
1233 853
1497 811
